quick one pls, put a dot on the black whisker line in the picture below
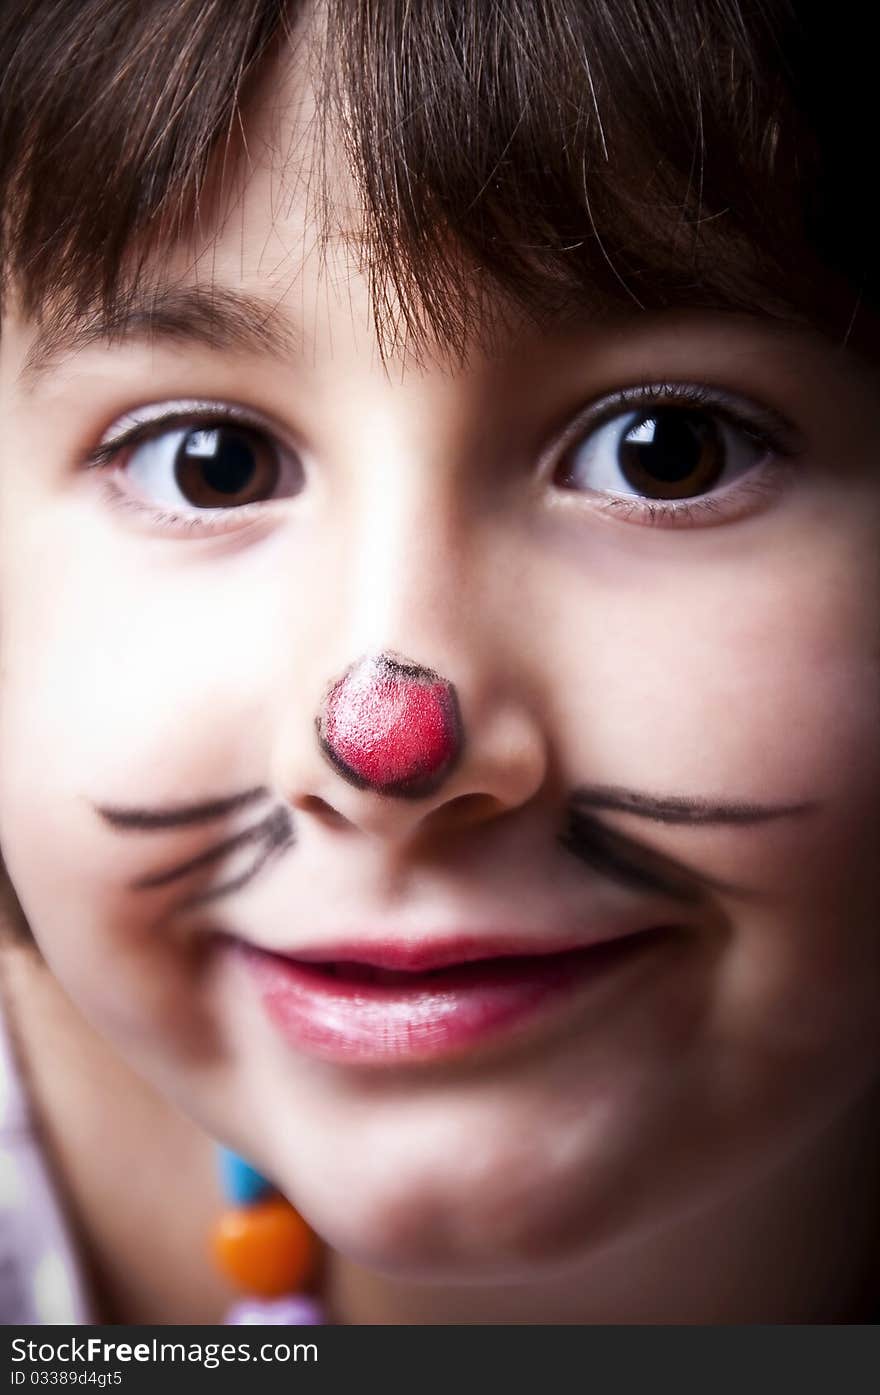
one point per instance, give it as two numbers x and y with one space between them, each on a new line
610 855
180 815
277 845
689 811
258 832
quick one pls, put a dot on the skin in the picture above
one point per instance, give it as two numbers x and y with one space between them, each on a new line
711 1114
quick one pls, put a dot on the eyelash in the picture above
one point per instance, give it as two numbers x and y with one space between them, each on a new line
764 428
195 416
205 522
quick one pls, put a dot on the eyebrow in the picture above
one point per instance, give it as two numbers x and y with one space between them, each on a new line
212 317
677 809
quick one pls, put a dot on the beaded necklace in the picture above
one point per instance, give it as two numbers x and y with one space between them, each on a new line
262 1244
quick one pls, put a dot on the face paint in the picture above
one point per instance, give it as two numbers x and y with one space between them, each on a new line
679 809
272 836
391 726
177 816
618 857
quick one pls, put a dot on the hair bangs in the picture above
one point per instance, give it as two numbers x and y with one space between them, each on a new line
565 155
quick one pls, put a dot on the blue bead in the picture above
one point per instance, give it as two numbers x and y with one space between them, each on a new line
242 1184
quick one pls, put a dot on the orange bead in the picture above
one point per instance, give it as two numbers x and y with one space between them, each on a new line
265 1249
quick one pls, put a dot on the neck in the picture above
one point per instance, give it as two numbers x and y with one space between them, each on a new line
797 1246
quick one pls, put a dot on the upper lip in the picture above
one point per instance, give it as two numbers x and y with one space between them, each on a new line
420 956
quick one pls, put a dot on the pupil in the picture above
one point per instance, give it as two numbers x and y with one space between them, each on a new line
670 446
225 459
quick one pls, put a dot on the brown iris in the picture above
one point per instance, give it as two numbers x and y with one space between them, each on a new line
225 465
676 453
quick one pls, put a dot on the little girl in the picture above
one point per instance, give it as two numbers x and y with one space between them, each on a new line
439 662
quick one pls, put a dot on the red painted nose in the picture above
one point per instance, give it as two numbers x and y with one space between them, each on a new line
391 726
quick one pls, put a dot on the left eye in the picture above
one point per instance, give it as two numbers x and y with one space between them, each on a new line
216 466
662 453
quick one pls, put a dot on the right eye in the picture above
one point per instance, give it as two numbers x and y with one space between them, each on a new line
194 465
216 466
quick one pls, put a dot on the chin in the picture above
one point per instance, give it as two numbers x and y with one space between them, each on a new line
436 1223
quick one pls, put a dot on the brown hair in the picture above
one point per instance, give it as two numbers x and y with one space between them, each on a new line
705 152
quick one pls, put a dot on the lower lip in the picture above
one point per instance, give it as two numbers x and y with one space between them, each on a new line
434 1015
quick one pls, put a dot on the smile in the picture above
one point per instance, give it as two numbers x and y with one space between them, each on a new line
364 1012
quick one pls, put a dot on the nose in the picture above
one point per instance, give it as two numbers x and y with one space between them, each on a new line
411 699
398 753
391 726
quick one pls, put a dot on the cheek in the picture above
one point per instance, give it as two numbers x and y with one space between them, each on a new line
119 688
134 672
724 670
754 683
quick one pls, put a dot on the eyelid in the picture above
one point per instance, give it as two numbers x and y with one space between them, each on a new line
143 423
736 408
768 429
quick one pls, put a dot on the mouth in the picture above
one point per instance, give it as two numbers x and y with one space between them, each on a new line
360 1011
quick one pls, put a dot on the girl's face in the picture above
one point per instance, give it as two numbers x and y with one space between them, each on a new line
173 613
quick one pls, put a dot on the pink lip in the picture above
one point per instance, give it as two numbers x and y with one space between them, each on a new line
423 956
450 995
